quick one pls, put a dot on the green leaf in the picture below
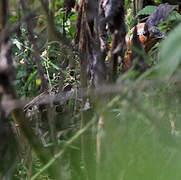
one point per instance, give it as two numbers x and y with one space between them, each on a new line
174 16
146 11
54 66
170 54
30 79
73 17
13 18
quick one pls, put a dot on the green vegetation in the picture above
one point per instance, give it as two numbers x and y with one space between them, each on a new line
66 113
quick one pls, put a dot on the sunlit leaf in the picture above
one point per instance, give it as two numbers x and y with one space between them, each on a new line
73 17
38 81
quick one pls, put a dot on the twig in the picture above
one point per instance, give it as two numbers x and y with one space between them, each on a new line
63 97
35 48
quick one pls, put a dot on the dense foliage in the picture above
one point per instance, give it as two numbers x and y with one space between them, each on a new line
66 114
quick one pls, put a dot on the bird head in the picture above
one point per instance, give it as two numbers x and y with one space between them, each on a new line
155 33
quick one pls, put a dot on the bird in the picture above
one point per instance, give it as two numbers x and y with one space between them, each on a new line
147 33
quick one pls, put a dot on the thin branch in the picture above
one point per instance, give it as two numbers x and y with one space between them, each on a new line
63 97
35 48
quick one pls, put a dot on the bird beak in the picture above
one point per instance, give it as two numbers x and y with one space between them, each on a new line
160 36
